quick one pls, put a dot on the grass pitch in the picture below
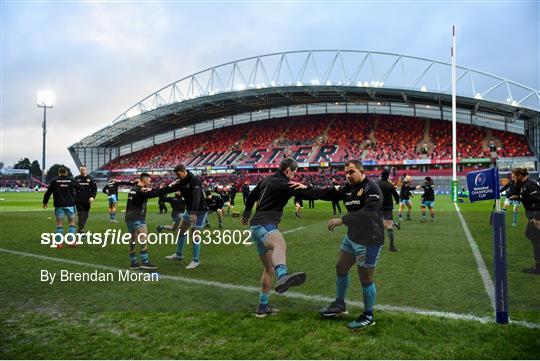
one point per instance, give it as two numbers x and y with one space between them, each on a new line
181 316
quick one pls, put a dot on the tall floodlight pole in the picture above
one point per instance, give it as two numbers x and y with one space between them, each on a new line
454 120
45 100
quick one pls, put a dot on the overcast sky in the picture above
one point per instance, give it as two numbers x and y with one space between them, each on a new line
101 58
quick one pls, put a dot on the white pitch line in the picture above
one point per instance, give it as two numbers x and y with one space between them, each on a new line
486 278
4 210
292 295
293 230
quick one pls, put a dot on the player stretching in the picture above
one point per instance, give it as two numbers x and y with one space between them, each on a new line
388 190
405 198
428 199
178 205
226 197
272 195
530 196
362 244
215 204
194 216
62 188
84 197
513 198
136 219
111 190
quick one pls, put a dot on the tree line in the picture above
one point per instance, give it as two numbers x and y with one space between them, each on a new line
35 168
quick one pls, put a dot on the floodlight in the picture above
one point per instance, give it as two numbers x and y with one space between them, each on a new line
45 98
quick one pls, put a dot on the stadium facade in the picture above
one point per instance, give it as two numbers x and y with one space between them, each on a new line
315 82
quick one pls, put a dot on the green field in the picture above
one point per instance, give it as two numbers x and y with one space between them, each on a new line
431 300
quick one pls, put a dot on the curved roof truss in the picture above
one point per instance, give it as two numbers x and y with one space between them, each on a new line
300 77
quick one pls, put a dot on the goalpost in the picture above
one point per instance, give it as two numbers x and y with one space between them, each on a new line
454 126
497 219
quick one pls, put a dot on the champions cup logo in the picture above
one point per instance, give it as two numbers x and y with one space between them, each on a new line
480 180
483 185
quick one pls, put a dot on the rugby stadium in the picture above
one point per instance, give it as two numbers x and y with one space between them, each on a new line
233 125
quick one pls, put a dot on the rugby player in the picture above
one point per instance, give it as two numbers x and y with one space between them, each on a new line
512 198
272 195
136 219
428 199
84 197
225 194
194 216
232 193
405 198
214 204
111 190
178 205
389 191
245 191
530 196
362 244
63 188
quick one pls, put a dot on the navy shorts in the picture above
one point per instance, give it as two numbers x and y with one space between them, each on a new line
366 256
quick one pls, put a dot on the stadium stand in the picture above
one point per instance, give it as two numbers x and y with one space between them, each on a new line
375 139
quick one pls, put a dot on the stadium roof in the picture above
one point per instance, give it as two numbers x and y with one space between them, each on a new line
310 77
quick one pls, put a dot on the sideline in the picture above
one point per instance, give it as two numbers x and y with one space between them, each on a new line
482 269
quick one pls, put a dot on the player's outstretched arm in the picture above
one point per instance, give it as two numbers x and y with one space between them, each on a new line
156 192
126 183
310 193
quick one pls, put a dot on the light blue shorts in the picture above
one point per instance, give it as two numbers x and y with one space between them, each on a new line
405 202
366 256
132 226
112 199
259 234
430 204
60 212
201 219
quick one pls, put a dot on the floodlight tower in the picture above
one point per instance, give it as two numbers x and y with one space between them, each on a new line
45 99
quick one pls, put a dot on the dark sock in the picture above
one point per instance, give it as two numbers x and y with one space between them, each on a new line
391 237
